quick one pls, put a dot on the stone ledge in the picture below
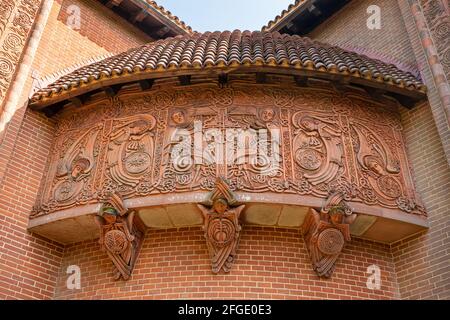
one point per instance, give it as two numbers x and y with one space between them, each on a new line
274 210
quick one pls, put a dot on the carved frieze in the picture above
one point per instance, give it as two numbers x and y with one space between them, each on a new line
259 137
437 15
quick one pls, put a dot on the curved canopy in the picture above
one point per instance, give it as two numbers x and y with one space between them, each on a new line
227 51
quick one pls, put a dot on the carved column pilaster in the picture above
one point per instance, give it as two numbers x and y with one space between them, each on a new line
16 21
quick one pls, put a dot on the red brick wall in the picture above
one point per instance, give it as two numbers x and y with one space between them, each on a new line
271 264
103 27
28 264
348 29
62 47
422 263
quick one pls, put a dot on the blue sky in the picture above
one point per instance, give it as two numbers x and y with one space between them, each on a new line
220 15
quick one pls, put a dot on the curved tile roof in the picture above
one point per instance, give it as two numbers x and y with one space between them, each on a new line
231 49
291 8
170 16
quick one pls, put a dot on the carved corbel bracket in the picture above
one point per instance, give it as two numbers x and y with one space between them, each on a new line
327 232
120 235
222 229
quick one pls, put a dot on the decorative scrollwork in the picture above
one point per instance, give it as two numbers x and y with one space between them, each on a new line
16 19
303 144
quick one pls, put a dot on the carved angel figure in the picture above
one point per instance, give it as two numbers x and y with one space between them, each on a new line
75 167
222 230
326 233
131 149
116 238
317 147
378 163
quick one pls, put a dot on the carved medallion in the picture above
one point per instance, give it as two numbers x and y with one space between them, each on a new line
221 231
137 162
64 191
308 159
330 241
116 241
389 186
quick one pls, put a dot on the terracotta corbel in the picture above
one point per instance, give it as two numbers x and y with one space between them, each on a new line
221 226
120 235
327 232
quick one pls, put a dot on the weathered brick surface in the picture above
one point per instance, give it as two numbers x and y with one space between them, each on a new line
116 34
348 28
28 264
271 264
420 47
422 263
62 47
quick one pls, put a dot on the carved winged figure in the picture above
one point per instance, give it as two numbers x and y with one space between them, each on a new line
378 163
318 149
326 233
74 167
222 230
131 149
118 237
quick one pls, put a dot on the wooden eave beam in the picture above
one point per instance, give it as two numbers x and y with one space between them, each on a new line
185 80
113 3
146 84
112 91
139 17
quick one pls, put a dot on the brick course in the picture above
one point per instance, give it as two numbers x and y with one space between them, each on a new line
394 48
422 263
29 264
116 34
271 264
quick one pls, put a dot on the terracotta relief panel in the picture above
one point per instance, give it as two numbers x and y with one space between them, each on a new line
258 137
16 20
437 15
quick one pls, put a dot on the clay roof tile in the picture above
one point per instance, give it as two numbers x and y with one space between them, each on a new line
232 48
